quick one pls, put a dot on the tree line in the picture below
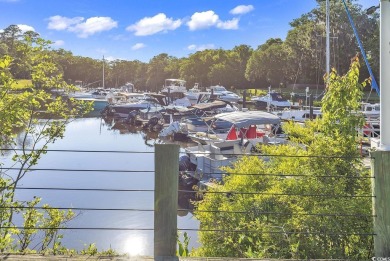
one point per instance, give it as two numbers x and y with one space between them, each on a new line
299 58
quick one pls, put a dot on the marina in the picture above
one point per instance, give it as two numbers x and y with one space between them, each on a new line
275 151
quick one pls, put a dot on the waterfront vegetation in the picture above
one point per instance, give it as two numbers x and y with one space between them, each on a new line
280 220
41 119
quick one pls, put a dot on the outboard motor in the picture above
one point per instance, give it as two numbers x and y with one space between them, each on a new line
105 111
132 117
185 164
153 124
277 129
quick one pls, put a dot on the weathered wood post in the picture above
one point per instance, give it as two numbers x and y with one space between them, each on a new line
381 202
166 185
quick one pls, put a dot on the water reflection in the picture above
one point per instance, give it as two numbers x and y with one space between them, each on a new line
135 245
150 137
96 134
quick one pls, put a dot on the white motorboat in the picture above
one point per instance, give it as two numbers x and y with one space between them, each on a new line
195 94
271 101
122 109
221 93
298 115
174 90
371 110
174 87
240 140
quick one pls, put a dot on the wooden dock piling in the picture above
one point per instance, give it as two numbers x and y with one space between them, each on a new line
165 201
381 202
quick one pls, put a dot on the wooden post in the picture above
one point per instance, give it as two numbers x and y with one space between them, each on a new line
380 167
166 185
244 99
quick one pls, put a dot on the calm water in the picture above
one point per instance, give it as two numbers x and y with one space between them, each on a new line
96 134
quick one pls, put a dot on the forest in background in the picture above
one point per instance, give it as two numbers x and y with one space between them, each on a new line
298 59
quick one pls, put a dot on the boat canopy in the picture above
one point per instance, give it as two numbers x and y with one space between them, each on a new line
210 105
246 118
175 81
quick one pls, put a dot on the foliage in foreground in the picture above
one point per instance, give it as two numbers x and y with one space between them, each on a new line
310 200
39 118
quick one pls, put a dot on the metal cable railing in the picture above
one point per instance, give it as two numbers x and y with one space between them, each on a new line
242 192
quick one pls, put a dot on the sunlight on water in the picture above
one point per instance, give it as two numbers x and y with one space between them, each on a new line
95 134
135 245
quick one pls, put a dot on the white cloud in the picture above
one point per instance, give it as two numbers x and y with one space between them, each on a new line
25 28
153 25
110 58
207 19
229 25
242 9
194 47
93 25
138 46
202 20
60 23
82 28
58 43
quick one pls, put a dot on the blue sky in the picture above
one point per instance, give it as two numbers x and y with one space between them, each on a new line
142 29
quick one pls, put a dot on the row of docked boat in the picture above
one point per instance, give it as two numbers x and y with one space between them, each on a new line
222 133
176 88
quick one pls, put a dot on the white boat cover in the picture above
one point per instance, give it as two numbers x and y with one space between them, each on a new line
246 118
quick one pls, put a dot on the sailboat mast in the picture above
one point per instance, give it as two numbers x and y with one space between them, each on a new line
327 54
103 71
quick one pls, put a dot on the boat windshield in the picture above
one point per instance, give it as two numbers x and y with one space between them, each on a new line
219 89
277 97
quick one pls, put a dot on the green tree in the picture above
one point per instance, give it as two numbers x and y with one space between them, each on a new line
269 62
41 120
307 41
309 200
157 71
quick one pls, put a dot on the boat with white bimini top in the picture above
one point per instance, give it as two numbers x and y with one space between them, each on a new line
174 87
242 138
